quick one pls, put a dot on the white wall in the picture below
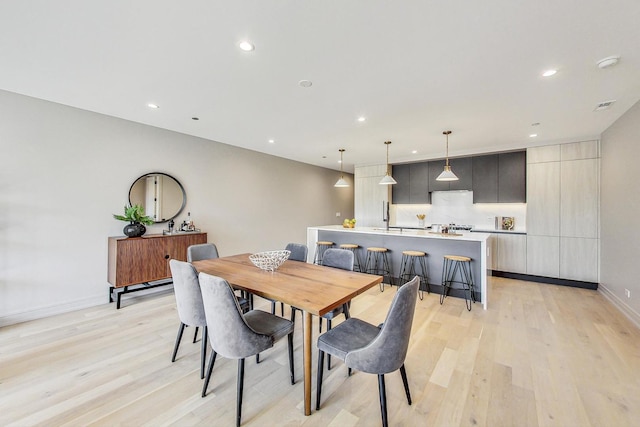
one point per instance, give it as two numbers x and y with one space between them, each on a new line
64 172
619 210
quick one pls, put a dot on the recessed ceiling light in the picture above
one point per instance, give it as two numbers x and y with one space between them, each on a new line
153 106
535 124
533 135
195 118
608 61
414 152
246 46
305 83
362 119
549 73
271 141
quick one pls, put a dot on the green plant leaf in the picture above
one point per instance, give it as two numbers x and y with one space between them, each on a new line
134 213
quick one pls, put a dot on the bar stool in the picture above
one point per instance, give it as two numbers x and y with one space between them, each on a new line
408 269
378 263
321 246
357 264
460 265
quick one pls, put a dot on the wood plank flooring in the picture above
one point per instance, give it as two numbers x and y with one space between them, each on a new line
542 355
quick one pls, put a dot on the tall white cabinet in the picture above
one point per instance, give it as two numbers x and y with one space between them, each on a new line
563 196
369 195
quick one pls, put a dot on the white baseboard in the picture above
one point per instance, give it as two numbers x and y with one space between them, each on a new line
620 304
39 313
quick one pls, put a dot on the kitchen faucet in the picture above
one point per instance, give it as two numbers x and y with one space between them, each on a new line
385 219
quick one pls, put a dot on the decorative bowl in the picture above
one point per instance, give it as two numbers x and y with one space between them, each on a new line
269 260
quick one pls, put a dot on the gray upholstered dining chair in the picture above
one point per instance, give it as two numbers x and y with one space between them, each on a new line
336 258
343 259
210 251
235 335
374 349
189 304
202 251
298 253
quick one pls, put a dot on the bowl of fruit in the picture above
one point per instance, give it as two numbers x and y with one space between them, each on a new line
349 223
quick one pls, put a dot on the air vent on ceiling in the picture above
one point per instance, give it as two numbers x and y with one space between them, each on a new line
604 105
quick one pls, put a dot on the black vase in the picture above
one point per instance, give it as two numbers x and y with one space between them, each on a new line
134 229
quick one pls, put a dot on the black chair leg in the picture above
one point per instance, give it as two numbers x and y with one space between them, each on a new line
383 400
319 378
290 345
178 338
212 360
273 307
240 387
403 373
203 355
319 325
328 355
258 358
281 309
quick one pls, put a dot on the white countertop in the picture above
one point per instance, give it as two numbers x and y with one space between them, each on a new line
488 230
427 234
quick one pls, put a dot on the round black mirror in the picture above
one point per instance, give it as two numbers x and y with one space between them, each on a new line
161 195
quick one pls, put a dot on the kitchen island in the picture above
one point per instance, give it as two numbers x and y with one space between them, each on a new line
436 245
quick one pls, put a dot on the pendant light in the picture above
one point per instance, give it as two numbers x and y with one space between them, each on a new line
447 174
341 182
387 179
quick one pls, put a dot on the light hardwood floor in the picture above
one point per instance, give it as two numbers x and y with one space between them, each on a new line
542 355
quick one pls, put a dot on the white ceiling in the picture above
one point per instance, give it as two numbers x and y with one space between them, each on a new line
413 68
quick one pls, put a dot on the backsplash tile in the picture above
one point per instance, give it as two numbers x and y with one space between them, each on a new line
457 207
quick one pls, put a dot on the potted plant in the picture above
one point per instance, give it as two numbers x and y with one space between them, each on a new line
136 218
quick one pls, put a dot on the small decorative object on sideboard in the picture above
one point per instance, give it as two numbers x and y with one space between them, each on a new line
136 218
421 218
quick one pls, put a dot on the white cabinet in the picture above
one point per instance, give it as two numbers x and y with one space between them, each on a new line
580 150
547 153
492 252
579 259
369 195
543 256
543 199
580 197
512 252
563 204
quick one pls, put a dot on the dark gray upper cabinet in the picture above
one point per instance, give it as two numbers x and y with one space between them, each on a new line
400 192
419 179
485 179
494 178
435 168
413 184
463 168
512 177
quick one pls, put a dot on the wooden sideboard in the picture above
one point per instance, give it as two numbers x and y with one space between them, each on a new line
137 261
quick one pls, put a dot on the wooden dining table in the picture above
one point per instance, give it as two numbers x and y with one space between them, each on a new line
314 289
